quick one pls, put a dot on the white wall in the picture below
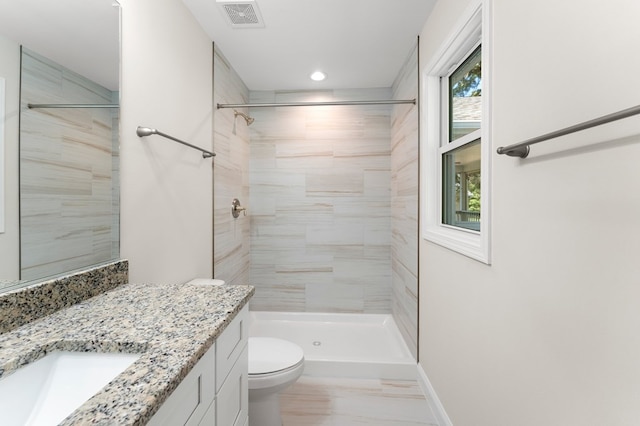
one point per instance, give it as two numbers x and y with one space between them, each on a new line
166 213
9 240
548 334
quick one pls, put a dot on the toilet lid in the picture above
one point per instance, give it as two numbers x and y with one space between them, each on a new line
268 355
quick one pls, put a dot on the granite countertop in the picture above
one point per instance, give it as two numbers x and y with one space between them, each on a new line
172 326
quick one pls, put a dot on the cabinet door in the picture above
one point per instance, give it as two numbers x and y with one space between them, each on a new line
232 401
209 418
191 399
230 344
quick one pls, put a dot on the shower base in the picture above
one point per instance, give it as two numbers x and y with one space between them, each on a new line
341 345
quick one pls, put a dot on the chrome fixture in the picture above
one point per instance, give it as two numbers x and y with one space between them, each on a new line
33 106
248 119
522 149
147 131
236 208
329 103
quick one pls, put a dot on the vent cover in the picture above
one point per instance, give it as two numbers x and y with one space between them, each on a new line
241 14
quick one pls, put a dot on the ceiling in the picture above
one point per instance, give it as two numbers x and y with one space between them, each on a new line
357 43
85 41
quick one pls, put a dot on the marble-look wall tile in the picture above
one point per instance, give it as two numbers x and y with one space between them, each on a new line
27 304
68 160
404 198
321 203
231 240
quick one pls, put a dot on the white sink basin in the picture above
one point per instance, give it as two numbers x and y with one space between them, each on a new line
46 391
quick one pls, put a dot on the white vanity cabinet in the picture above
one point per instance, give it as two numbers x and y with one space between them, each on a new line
232 389
215 392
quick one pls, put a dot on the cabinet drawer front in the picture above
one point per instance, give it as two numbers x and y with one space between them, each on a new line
232 401
191 399
230 344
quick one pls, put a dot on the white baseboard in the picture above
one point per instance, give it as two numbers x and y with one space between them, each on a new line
432 398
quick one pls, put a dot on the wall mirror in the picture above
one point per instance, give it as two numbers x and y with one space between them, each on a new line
60 65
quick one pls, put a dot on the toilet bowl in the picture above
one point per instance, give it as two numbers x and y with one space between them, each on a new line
274 365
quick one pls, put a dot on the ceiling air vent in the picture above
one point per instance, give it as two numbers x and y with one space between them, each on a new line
241 14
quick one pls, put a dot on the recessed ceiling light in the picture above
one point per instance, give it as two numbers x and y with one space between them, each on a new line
318 76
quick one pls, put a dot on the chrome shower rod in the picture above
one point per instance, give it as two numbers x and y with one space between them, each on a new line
31 106
328 103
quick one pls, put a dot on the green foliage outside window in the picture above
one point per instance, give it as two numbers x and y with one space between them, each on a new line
468 79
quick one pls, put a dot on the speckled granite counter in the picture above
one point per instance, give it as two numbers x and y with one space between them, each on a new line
171 326
42 298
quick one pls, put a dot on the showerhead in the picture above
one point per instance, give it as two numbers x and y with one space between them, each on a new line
248 119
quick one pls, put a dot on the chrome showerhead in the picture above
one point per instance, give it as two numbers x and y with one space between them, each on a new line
248 119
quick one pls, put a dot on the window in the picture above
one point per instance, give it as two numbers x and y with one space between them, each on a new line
461 185
456 144
460 143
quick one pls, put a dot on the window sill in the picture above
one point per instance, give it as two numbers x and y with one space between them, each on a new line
466 242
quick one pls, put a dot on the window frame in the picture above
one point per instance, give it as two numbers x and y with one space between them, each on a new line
471 31
450 193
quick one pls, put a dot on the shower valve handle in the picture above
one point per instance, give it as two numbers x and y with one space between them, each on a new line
236 208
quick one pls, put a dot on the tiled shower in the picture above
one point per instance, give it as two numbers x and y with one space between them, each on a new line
331 194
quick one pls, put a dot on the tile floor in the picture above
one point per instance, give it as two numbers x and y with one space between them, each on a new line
321 401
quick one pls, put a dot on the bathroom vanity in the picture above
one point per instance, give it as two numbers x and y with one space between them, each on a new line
215 392
192 346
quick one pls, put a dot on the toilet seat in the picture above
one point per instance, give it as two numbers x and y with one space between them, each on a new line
269 355
274 364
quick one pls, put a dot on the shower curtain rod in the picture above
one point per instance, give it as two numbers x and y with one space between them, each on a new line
329 103
31 106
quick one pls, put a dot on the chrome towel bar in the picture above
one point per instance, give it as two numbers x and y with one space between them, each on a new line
147 131
522 149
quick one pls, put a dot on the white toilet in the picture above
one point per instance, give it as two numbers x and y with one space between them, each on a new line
274 365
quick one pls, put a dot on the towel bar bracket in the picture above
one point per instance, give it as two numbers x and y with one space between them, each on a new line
522 149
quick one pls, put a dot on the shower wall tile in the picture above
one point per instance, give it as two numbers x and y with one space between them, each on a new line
335 182
404 198
334 297
321 222
376 299
335 234
231 239
283 297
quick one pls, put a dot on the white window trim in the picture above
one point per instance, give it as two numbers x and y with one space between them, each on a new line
473 26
